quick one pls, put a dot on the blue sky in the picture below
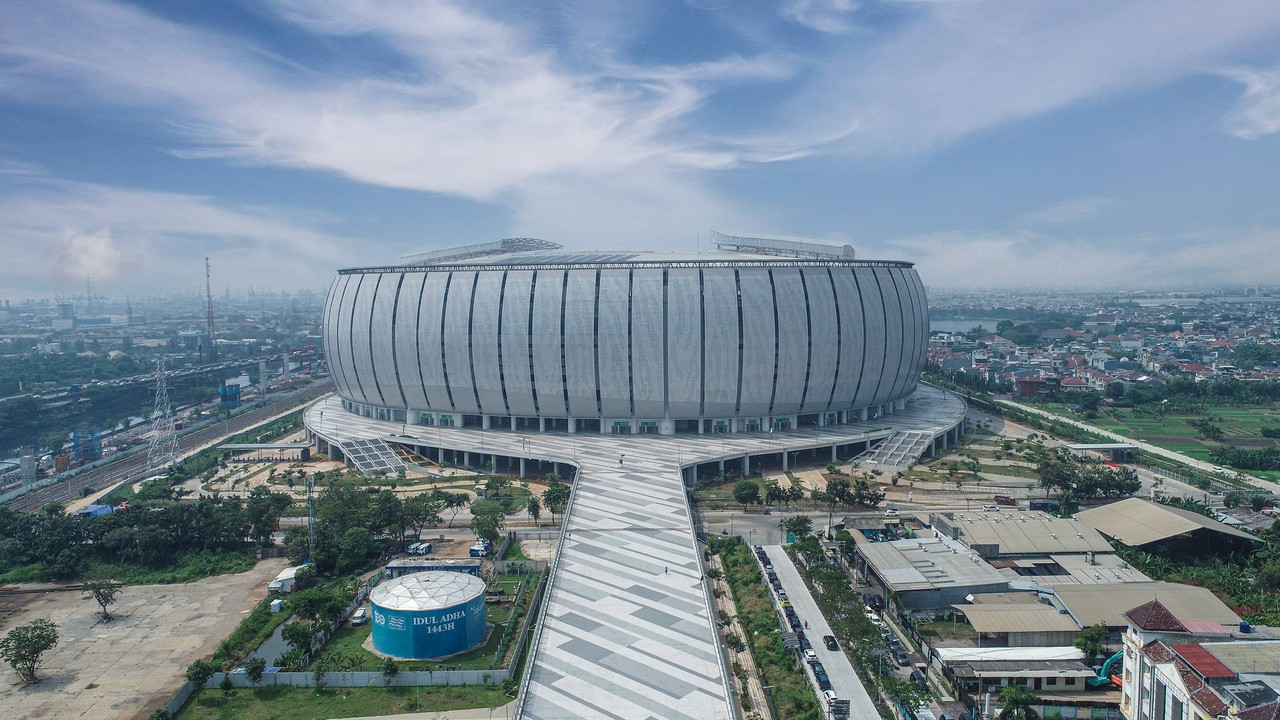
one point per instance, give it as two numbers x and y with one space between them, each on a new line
996 144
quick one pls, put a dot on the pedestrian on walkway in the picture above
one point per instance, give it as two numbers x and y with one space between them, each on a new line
664 570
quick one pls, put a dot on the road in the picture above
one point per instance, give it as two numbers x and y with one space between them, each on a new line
843 679
136 463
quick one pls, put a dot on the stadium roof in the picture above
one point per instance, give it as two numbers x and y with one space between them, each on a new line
1107 604
1137 522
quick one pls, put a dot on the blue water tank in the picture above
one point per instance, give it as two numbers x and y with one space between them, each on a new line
428 615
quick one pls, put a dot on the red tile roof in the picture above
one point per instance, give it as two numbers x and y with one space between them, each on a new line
1270 711
1154 616
1203 662
1157 652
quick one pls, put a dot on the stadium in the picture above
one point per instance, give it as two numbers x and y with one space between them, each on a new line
520 335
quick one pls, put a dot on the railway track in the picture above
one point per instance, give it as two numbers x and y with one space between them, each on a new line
135 465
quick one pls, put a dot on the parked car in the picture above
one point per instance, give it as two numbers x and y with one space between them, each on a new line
901 658
830 695
830 642
360 616
810 656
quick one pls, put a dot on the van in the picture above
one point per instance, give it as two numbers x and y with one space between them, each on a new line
360 616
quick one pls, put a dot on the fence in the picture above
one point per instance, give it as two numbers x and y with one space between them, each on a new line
366 678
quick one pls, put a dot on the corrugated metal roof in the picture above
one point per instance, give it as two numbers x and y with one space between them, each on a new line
927 564
1203 661
1003 618
1135 521
430 590
1107 604
1026 533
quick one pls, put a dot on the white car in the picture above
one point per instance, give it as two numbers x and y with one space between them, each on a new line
830 695
810 656
891 512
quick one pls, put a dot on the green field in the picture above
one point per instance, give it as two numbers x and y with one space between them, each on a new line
1242 426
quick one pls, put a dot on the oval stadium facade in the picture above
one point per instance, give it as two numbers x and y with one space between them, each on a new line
634 342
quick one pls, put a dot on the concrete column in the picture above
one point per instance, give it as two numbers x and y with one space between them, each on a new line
573 425
833 453
746 464
700 422
466 459
542 424
784 460
485 422
946 441
862 414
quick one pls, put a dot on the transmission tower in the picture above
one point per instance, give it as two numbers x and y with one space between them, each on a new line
163 452
212 353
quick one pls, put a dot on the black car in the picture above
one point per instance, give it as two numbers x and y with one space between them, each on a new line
824 682
830 642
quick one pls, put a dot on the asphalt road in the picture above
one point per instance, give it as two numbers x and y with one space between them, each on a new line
135 465
843 679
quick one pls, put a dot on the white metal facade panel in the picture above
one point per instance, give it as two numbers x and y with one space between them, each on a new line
758 342
361 360
484 342
684 339
720 330
892 377
793 341
431 340
852 337
408 316
332 309
548 370
822 339
873 327
907 298
648 346
385 370
515 343
613 343
579 343
457 336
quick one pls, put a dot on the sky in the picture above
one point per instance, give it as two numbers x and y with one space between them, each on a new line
1065 145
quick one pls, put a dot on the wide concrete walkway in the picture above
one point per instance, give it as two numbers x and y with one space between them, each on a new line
626 629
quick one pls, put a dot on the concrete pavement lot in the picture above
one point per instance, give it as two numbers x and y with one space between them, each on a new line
128 667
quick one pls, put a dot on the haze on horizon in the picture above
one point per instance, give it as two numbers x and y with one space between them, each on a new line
995 144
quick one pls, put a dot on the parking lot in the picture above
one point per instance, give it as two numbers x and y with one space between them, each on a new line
844 681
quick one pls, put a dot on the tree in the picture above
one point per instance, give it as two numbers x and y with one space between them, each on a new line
455 502
487 526
390 669
104 593
1017 704
423 510
354 548
534 507
746 492
798 525
253 669
24 645
299 635
556 497
199 673
1092 641
907 693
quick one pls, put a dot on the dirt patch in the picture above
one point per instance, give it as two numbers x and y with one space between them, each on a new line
128 667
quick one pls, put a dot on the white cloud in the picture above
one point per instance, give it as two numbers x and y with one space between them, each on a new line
1067 211
1026 260
955 69
115 236
1258 113
828 16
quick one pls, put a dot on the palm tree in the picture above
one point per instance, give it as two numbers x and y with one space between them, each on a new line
1016 704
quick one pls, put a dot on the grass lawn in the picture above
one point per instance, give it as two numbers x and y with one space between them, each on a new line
290 703
514 552
949 630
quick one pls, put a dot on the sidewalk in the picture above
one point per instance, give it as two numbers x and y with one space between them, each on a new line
503 712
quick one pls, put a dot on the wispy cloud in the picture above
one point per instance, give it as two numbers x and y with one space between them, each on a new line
116 236
1030 260
1068 211
828 16
1258 112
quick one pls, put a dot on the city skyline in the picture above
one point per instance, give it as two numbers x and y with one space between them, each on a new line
1055 145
